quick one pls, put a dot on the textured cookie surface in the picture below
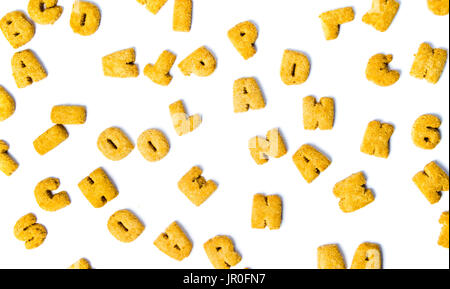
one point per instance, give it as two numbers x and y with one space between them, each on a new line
431 182
443 237
318 114
247 95
50 139
182 15
44 11
201 62
378 70
125 226
85 18
114 144
26 68
425 131
120 64
382 13
81 264
367 256
68 114
7 104
221 253
429 63
376 139
98 188
310 162
438 7
153 5
174 242
330 257
18 30
295 68
160 72
263 148
195 187
183 123
153 145
27 230
332 20
46 199
7 164
353 193
267 211
243 37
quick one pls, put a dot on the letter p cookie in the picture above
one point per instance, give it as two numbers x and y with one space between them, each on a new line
174 243
431 182
221 253
98 188
266 211
243 36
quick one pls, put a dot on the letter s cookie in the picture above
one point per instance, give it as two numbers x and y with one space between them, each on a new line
27 230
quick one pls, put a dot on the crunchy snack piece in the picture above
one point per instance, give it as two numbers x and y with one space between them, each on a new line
295 67
267 211
98 188
431 182
330 257
50 139
7 104
195 187
17 29
114 144
438 7
46 199
153 5
376 139
174 242
27 230
332 20
201 62
221 252
26 68
120 64
310 162
183 123
7 164
44 11
160 72
247 95
81 264
318 114
263 148
443 238
243 37
182 15
153 145
378 70
85 18
68 114
367 256
425 131
125 226
382 13
353 193
429 63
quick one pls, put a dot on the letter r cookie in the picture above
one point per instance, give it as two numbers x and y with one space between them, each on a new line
195 187
429 63
27 230
330 257
98 188
310 162
18 30
243 37
353 193
431 182
221 253
376 139
125 226
174 242
367 256
267 211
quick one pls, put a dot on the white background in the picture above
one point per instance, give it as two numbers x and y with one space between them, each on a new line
400 219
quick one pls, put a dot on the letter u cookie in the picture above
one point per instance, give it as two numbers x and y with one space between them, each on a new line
125 226
174 242
220 251
27 230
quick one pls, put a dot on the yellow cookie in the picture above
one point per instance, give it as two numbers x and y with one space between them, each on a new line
195 187
378 70
330 257
429 63
382 13
295 68
201 62
174 242
310 162
438 7
98 188
27 230
425 132
353 193
50 139
153 145
68 114
367 256
85 18
431 182
182 15
125 226
46 199
220 251
318 114
183 123
267 211
81 264
332 20
263 148
7 104
44 11
153 5
7 164
247 95
243 37
17 29
114 144
376 139
120 64
443 238
160 72
26 68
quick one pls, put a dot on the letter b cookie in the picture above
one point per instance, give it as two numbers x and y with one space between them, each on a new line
266 211
221 253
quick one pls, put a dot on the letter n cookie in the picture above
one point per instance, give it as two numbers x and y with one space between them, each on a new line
120 64
182 15
367 256
429 63
353 193
221 253
81 264
443 238
183 123
330 257
50 139
174 242
195 187
272 146
295 68
85 18
27 230
310 162
44 11
318 114
376 139
17 29
431 182
247 95
98 188
438 7
46 199
125 226
114 144
7 164
382 14
425 132
160 72
7 104
243 37
267 211
332 20
378 70
27 69
201 62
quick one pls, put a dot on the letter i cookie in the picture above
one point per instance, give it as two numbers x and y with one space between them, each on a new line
443 237
182 15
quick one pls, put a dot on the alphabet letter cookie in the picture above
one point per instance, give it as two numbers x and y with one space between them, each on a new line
443 238
429 63
378 70
27 69
247 95
367 256
153 5
81 264
267 211
174 242
425 132
438 7
153 145
201 62
195 187
318 114
50 139
310 162
114 144
17 29
46 199
272 146
330 257
7 104
182 15
98 188
221 253
68 114
243 37
27 230
44 11
382 14
376 139
125 226
295 68
353 193
160 72
183 123
85 18
431 182
7 164
120 64
332 20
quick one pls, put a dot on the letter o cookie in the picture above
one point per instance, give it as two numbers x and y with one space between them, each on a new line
125 226
44 11
85 18
438 7
7 104
153 145
17 29
46 199
27 230
425 132
114 144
